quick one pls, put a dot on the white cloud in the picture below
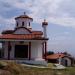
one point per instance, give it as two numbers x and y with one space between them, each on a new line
6 23
64 21
60 12
53 10
20 4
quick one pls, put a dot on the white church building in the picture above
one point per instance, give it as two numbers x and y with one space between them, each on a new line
23 43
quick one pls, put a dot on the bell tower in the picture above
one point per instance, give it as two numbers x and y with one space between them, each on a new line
23 21
44 25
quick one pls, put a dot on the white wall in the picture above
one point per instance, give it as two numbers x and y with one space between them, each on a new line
12 54
12 49
36 50
5 50
25 20
21 31
68 61
45 31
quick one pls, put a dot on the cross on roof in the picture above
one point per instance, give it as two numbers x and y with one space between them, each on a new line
24 13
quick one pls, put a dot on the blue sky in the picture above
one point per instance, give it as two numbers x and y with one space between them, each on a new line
60 15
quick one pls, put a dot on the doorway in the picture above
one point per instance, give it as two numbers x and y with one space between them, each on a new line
21 51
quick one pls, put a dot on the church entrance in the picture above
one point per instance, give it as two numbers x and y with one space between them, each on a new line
21 51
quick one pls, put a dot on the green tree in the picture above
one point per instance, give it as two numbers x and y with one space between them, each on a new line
50 52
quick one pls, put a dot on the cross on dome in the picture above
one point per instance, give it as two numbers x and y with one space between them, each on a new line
24 13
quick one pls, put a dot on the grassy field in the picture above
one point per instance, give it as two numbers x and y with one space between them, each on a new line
11 68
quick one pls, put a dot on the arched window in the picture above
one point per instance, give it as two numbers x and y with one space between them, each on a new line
17 24
29 23
22 23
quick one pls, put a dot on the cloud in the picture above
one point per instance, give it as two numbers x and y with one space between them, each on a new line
64 21
6 21
62 43
59 12
6 24
67 6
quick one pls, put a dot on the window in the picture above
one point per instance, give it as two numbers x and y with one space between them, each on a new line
22 23
17 24
29 23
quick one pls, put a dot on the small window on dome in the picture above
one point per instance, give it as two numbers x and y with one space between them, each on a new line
22 23
29 23
17 24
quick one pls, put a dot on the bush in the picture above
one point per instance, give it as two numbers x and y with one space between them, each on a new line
2 64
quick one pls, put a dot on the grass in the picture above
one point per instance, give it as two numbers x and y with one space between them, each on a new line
50 65
17 69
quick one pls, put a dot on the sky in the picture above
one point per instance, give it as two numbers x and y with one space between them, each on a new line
60 15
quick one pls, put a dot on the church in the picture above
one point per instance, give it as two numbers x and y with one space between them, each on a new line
24 43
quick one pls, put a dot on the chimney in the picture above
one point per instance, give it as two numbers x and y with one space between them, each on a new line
44 25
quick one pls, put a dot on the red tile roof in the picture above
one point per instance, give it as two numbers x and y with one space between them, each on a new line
7 32
55 56
37 32
24 37
32 32
24 16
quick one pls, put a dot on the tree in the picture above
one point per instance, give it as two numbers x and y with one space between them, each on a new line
50 52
